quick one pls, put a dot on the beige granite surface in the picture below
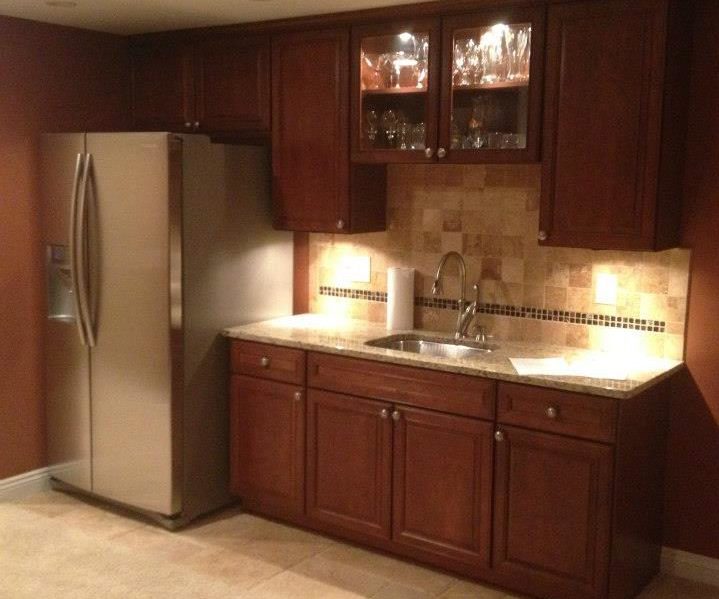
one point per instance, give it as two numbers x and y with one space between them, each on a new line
348 337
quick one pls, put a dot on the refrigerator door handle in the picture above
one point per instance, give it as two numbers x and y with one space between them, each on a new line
81 213
79 164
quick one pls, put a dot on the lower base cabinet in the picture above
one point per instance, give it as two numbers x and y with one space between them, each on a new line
541 491
552 513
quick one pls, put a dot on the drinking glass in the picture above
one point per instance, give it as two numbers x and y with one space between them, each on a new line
422 56
417 141
370 125
389 123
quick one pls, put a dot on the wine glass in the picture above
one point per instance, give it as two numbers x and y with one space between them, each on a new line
370 125
389 122
422 56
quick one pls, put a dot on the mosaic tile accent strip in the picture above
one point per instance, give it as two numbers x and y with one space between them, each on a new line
567 316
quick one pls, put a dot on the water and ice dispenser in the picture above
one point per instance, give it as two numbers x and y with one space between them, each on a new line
60 301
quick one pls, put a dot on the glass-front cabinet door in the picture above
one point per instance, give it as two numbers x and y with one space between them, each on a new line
395 92
491 86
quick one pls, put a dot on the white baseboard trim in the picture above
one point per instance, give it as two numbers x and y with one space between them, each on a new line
690 565
22 485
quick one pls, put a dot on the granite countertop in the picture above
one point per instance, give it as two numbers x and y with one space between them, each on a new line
347 337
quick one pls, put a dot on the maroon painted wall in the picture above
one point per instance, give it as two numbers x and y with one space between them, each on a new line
51 79
692 498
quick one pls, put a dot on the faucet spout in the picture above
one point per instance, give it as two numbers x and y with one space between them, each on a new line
437 285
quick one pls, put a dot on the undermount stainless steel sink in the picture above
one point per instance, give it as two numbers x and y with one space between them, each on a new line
431 346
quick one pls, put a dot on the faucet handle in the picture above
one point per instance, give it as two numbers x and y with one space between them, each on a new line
437 287
476 293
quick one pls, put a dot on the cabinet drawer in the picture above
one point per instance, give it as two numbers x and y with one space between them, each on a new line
268 362
555 411
442 391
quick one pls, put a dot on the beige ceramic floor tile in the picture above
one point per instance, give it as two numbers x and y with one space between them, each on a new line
235 567
398 591
292 585
97 522
281 545
468 590
392 570
49 503
664 587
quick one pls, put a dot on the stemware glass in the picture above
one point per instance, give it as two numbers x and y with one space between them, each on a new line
370 72
524 50
389 123
418 137
422 56
370 125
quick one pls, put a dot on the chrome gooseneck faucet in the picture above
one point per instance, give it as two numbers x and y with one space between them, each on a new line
437 286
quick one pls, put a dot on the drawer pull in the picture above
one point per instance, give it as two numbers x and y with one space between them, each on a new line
499 436
552 412
384 414
396 415
265 362
298 395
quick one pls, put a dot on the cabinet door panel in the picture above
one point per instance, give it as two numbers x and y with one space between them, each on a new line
349 463
310 136
552 513
395 110
492 77
443 484
267 429
162 87
602 123
233 84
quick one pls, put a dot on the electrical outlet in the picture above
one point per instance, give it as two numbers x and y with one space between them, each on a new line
355 269
606 291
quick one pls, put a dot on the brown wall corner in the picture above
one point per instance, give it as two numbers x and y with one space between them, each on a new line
692 481
53 79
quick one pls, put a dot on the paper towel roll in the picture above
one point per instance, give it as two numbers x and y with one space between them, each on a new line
400 298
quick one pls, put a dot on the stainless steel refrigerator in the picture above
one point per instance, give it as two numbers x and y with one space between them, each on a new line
153 243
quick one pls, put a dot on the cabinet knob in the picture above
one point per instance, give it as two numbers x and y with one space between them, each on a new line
384 414
265 362
396 415
429 152
340 224
188 125
552 412
542 236
298 395
197 125
499 436
441 153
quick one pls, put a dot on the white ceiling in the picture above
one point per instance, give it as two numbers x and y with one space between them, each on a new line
142 16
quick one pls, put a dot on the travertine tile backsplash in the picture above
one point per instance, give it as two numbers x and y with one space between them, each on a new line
490 215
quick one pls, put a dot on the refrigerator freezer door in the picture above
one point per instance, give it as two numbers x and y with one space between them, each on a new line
132 404
67 360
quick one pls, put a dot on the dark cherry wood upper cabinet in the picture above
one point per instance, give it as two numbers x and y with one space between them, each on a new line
395 110
552 514
349 463
614 124
492 78
162 87
314 188
232 77
443 484
267 445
